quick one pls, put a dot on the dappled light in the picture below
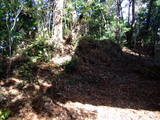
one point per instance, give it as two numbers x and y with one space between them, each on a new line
95 84
80 60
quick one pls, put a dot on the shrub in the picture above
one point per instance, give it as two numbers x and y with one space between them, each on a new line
39 51
4 114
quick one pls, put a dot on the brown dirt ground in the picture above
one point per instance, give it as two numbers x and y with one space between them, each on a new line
104 83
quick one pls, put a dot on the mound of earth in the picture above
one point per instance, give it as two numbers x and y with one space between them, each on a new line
100 82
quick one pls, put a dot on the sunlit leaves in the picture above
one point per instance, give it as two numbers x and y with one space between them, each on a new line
4 114
158 2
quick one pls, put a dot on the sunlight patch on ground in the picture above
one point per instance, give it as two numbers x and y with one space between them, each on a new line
129 51
113 113
61 60
7 86
83 111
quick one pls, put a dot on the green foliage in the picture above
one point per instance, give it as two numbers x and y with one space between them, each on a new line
4 114
1 94
35 21
149 29
102 20
16 23
39 51
27 71
158 2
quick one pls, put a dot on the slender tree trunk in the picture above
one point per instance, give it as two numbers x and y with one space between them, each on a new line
58 25
119 17
129 7
133 12
131 23
149 13
119 8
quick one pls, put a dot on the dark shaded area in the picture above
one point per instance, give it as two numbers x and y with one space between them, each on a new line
100 73
16 109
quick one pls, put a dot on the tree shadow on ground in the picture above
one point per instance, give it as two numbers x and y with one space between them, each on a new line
99 74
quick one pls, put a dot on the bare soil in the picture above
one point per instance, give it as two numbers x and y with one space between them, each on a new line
100 83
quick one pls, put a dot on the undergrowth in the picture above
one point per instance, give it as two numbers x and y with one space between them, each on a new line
39 51
4 114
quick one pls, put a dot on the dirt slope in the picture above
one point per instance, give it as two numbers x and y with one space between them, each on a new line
102 82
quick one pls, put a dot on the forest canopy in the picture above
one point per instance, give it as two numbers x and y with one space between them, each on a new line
126 22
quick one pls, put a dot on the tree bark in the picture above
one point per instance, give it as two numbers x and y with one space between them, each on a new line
58 24
129 6
119 17
149 14
133 12
119 8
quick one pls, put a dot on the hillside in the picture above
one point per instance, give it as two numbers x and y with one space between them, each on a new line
100 82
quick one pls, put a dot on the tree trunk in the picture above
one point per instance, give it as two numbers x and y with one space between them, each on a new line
58 25
133 12
149 13
129 34
129 6
119 8
119 17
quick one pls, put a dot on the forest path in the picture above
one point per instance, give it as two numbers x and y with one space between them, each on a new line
99 83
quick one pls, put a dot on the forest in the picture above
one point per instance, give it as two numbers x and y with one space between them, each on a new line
79 59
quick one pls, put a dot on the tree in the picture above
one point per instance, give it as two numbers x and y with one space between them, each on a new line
131 22
150 5
133 13
58 24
